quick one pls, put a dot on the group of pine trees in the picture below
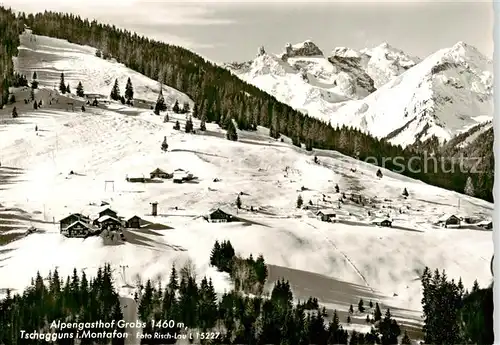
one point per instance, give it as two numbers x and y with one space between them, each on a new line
128 96
75 299
451 315
63 87
221 96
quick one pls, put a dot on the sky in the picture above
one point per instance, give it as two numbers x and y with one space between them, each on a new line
226 31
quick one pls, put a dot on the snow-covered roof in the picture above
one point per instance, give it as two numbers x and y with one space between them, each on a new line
221 208
88 226
106 217
74 215
447 216
158 170
327 211
484 222
380 220
106 207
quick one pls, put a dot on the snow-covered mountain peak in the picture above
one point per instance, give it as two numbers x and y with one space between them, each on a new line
345 52
304 49
385 62
444 94
268 64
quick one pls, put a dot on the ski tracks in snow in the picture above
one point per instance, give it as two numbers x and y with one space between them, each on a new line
358 272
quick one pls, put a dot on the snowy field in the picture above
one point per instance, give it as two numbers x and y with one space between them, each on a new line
337 262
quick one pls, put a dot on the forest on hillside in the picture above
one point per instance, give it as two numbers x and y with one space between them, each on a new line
452 315
219 95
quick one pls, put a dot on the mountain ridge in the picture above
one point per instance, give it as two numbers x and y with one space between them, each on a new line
418 109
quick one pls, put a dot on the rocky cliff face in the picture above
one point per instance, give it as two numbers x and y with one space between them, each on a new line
304 49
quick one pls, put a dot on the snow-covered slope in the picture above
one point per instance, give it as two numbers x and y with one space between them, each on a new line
112 141
50 58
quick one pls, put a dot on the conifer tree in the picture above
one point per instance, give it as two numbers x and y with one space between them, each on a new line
231 132
173 283
469 187
185 107
377 314
115 91
188 126
361 306
35 105
160 103
62 85
14 112
177 126
176 108
475 286
405 192
68 90
406 339
195 110
371 304
34 81
300 201
129 91
79 90
238 202
164 145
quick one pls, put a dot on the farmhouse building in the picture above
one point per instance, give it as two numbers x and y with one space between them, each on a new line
71 219
326 215
383 222
485 224
158 173
133 222
107 211
447 220
219 216
78 229
108 222
135 179
180 175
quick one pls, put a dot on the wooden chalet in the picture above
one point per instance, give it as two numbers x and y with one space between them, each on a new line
449 219
383 222
180 175
108 222
133 222
158 173
107 211
78 229
219 216
485 224
135 179
70 219
326 215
